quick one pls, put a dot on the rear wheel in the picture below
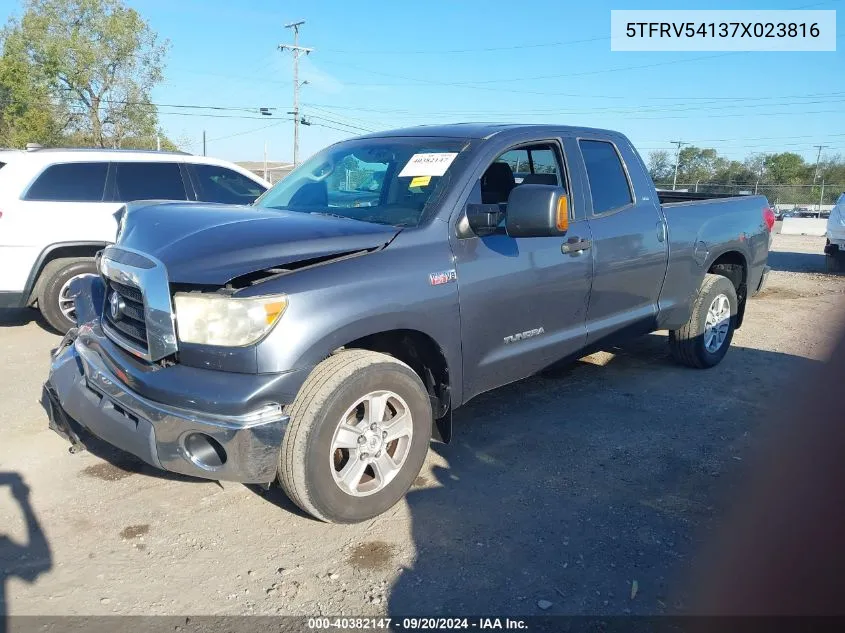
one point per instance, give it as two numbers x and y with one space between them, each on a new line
54 300
704 340
358 435
834 261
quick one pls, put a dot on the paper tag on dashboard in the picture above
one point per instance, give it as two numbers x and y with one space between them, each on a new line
430 164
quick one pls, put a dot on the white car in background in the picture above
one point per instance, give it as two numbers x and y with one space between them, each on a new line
834 248
57 206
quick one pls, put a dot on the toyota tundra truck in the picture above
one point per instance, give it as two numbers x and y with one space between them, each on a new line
323 335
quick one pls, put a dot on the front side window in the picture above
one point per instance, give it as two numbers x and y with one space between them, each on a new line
70 182
220 184
609 186
395 181
148 181
532 165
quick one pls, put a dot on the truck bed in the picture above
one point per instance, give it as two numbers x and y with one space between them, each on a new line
676 197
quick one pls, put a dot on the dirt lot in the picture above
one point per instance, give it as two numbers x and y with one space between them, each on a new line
563 488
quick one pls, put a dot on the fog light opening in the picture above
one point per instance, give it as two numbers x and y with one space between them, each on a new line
204 451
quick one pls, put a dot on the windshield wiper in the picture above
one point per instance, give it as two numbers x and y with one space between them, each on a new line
333 215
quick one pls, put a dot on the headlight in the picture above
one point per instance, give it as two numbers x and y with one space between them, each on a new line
212 319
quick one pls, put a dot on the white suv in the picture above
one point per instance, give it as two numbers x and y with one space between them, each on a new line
835 247
57 206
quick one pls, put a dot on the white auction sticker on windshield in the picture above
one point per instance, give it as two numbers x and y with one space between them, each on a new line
431 164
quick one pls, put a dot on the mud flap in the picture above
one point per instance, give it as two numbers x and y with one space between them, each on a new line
442 431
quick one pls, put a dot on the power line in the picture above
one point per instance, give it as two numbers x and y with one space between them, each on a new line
486 49
349 125
677 107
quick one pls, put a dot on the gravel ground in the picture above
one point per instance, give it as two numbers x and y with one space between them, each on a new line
565 488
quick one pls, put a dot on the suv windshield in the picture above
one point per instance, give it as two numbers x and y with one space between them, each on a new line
392 181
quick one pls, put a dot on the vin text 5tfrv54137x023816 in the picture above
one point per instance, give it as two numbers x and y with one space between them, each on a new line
320 336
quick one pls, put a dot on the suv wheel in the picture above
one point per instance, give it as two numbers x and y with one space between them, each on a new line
704 340
358 435
54 299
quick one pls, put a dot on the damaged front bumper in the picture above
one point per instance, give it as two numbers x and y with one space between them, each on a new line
237 440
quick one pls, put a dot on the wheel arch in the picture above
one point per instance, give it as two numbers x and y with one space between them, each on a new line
425 356
733 265
59 250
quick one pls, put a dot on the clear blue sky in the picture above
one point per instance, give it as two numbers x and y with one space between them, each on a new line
382 65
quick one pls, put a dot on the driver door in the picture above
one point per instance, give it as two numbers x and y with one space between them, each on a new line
523 301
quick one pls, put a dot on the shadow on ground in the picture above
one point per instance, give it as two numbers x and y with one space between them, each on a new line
16 317
797 262
585 490
27 560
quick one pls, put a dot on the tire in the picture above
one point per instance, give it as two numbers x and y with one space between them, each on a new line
309 464
52 281
834 262
688 344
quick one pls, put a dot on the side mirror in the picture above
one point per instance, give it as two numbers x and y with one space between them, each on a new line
537 211
483 218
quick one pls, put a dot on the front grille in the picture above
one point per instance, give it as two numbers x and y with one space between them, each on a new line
130 321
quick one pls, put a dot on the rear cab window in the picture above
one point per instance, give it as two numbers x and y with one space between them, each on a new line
69 182
148 181
610 189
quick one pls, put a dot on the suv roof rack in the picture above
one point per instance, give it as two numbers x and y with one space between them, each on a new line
34 147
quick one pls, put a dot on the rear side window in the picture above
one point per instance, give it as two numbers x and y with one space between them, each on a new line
148 181
70 182
608 183
220 184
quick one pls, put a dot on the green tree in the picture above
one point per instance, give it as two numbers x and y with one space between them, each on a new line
95 63
787 169
696 165
660 165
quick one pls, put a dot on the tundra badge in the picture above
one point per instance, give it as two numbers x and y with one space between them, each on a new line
521 336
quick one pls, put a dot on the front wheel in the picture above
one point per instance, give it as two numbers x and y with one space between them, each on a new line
54 299
358 435
703 341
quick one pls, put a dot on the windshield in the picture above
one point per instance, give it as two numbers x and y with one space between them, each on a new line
393 181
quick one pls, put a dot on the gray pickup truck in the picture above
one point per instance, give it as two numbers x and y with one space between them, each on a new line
321 337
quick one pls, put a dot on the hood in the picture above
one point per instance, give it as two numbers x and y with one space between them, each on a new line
212 244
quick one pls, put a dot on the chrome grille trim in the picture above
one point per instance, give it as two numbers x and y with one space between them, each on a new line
155 292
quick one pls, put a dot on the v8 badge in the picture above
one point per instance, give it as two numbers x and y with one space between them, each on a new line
445 277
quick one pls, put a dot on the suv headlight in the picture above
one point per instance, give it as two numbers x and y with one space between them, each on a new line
213 319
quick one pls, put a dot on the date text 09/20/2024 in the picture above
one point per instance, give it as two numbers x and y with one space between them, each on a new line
417 623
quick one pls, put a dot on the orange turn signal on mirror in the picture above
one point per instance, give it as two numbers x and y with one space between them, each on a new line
562 213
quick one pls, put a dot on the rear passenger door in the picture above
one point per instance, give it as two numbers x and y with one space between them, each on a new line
214 183
148 180
64 203
629 249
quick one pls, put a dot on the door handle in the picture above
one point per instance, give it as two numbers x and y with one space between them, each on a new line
661 231
575 245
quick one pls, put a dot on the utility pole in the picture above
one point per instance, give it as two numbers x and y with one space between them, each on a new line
821 198
203 142
297 50
265 160
818 158
158 143
677 160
